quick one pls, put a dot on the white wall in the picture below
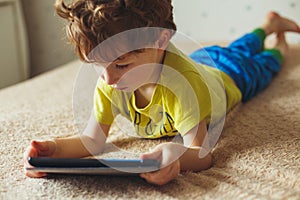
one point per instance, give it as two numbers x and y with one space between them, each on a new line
48 44
224 20
203 20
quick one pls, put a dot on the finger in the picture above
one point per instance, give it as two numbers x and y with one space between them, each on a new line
31 152
34 174
164 175
160 177
150 178
43 148
153 179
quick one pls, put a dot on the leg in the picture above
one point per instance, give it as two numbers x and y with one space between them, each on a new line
281 45
251 44
251 73
274 23
263 67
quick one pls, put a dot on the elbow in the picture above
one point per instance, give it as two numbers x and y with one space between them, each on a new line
196 163
205 157
208 161
205 162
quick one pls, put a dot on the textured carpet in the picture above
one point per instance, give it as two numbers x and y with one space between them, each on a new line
257 156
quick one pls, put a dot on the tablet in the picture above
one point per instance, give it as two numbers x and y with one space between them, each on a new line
92 166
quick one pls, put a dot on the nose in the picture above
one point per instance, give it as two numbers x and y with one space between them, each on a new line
110 76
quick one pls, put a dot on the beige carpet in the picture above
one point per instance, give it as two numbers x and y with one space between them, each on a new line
257 157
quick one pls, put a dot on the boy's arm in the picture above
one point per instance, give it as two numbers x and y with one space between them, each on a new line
90 142
198 149
175 157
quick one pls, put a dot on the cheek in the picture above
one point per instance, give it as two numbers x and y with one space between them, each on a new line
136 74
134 79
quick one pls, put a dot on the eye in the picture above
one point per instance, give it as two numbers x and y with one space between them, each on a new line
121 66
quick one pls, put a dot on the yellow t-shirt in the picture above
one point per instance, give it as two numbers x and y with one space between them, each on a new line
185 94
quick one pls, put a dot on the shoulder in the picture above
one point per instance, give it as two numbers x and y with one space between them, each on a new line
103 89
180 73
178 60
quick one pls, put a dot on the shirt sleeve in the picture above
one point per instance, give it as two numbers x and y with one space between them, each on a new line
192 101
103 108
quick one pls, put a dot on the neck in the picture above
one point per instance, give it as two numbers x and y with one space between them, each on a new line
156 72
144 93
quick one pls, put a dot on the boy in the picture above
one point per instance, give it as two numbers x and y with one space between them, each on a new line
136 81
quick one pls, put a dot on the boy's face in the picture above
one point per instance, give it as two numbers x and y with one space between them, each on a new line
132 71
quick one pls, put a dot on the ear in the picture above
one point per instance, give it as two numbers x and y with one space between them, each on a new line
163 39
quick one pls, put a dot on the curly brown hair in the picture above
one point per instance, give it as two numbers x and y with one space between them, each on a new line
91 22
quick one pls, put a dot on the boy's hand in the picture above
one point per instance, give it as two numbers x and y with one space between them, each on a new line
170 165
36 149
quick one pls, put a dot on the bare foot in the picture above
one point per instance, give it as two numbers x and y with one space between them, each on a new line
275 23
281 44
